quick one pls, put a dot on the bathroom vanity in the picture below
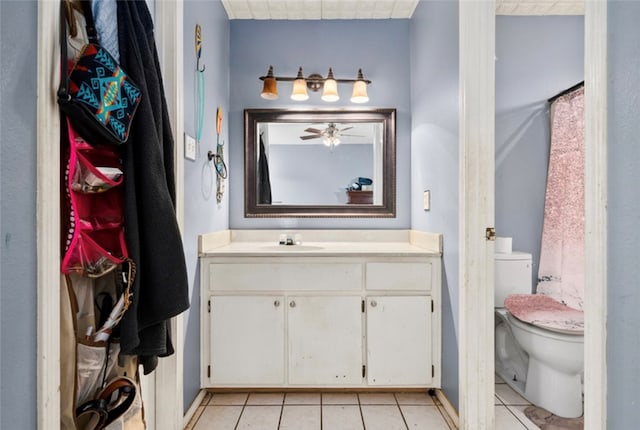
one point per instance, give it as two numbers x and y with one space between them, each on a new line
363 311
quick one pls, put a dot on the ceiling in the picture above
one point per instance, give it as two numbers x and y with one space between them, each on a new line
379 9
319 9
540 7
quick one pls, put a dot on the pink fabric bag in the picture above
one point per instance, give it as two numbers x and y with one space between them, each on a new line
95 242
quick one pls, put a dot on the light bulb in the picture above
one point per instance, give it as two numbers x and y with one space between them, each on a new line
330 93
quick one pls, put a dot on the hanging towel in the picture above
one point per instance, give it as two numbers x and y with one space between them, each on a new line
264 183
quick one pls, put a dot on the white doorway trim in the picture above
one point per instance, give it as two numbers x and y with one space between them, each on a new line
476 213
167 380
168 385
595 339
48 218
477 81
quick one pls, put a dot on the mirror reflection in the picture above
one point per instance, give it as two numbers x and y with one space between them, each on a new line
319 162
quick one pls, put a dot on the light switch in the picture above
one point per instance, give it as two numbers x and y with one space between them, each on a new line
189 147
426 200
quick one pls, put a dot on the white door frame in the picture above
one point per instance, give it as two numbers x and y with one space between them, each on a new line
169 34
595 304
476 213
167 379
48 218
477 100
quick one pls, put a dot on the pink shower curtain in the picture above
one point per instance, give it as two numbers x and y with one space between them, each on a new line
561 271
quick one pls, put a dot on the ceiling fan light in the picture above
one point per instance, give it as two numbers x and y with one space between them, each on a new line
331 141
299 92
330 93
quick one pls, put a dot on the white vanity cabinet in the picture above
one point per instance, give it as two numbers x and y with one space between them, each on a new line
323 321
401 321
399 341
247 339
325 340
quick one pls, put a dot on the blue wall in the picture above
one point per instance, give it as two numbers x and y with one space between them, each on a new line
537 57
434 155
623 342
379 47
18 214
202 214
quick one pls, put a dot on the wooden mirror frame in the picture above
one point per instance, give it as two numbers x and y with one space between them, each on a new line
252 117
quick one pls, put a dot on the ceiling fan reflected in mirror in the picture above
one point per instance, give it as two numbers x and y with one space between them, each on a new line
330 135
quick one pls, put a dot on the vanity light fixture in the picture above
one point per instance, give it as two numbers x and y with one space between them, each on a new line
315 83
330 88
359 94
299 92
270 88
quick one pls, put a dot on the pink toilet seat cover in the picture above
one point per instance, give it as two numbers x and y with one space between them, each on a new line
545 312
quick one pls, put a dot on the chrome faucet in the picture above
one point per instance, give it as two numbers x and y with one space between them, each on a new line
286 239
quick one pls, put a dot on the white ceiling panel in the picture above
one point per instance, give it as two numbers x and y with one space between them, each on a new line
540 7
379 9
319 9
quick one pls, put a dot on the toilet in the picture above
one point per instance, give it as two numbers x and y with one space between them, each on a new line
539 342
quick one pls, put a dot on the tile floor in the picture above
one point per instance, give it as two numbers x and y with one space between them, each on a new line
345 411
510 406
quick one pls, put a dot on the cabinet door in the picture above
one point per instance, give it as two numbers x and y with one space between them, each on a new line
247 340
325 340
399 340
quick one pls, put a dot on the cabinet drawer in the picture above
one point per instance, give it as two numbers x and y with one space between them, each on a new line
285 276
412 276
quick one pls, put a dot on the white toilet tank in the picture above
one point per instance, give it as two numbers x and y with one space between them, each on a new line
512 275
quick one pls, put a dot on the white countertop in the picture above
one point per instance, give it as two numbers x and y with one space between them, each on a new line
324 249
321 243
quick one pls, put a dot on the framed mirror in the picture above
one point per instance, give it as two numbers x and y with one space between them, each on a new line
320 163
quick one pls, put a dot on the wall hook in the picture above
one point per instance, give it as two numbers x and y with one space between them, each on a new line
218 162
199 48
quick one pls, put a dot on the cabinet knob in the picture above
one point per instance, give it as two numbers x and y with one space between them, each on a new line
292 304
374 303
276 303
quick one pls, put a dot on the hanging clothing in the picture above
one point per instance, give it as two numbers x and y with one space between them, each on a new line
561 271
160 290
264 183
106 22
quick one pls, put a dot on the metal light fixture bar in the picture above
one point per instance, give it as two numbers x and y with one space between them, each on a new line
314 82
